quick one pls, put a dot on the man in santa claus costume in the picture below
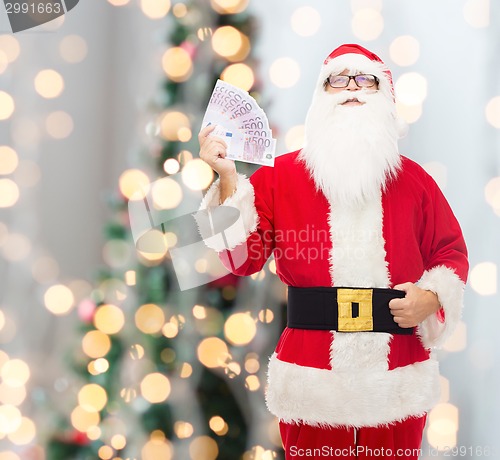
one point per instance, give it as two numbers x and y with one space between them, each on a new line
375 264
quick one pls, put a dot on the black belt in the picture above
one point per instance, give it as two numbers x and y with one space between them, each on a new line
343 309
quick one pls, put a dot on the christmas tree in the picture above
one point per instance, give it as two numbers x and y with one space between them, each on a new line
170 373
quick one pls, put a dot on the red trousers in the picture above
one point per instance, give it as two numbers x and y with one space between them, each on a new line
400 440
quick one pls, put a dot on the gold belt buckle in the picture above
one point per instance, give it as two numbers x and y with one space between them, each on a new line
362 297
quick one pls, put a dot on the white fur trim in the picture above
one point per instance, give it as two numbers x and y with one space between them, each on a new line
358 254
243 199
357 63
362 350
449 288
298 394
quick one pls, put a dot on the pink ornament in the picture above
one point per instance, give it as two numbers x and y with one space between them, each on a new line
189 47
86 310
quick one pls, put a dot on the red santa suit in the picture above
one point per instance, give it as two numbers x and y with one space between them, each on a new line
321 380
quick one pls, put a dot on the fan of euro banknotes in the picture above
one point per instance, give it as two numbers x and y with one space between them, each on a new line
241 123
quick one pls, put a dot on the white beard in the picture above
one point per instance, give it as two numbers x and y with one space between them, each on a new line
351 151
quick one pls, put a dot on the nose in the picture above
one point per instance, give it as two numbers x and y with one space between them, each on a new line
352 86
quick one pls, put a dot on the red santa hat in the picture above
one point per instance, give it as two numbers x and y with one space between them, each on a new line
357 59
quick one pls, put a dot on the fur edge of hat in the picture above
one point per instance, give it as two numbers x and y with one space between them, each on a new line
355 62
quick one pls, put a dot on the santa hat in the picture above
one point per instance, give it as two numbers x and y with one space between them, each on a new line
357 59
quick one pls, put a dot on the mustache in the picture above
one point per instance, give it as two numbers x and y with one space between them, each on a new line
344 96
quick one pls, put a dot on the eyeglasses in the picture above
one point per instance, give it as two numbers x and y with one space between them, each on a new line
362 80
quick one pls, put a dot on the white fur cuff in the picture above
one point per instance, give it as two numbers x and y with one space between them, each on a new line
449 288
215 234
322 397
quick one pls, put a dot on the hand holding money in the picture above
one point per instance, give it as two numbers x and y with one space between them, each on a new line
213 151
241 123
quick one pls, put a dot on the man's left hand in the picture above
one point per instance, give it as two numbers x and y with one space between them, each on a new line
417 305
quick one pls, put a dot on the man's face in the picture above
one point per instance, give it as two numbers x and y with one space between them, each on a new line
352 86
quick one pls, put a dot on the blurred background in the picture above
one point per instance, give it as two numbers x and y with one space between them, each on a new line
101 355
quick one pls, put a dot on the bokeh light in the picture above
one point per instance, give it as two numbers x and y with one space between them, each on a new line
10 419
197 175
92 397
171 166
177 64
284 72
119 2
203 448
105 453
294 138
8 159
166 193
230 43
155 388
12 395
409 113
25 433
492 193
175 126
109 319
306 21
483 278
239 75
152 246
458 341
405 50
73 48
266 316
118 441
183 430
252 364
149 318
96 344
7 105
84 420
443 426
155 9
49 83
134 184
240 329
252 382
493 112
15 373
411 88
357 5
155 449
229 6
179 10
367 24
16 247
212 352
59 124
59 299
477 13
10 46
218 425
445 389
186 371
9 193
4 62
